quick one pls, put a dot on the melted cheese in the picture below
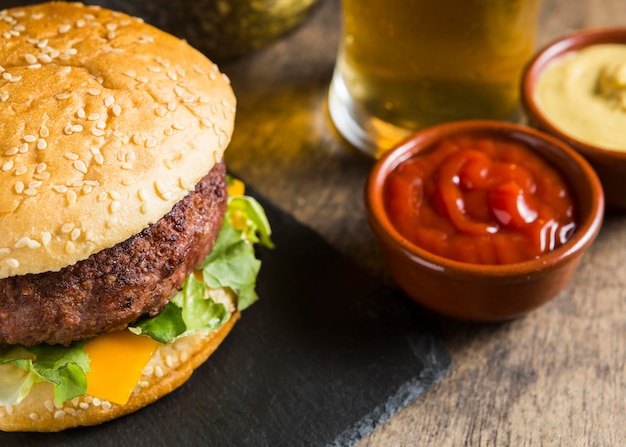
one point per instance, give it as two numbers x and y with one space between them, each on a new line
117 363
236 188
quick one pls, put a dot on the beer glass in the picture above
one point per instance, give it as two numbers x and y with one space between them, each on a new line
407 64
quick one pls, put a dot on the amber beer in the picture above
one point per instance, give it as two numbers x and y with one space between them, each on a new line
407 64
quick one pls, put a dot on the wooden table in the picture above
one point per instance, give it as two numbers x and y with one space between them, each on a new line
554 377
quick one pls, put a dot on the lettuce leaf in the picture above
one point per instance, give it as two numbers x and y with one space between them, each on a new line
231 266
64 367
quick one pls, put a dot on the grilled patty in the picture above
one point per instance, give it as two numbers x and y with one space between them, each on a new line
115 286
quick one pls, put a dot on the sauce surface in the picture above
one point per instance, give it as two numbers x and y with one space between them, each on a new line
481 200
584 95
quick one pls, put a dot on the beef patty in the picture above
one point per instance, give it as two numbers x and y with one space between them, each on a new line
115 286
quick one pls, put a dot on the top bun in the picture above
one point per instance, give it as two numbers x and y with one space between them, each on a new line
105 123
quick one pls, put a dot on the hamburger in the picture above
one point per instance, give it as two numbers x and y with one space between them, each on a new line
124 260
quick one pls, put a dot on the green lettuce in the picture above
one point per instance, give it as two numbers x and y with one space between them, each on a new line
22 367
231 268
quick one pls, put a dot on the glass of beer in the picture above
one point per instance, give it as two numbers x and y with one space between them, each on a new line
408 64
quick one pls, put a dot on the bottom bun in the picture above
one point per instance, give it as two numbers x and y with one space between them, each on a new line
171 365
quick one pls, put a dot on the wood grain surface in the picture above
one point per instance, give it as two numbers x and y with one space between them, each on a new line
555 377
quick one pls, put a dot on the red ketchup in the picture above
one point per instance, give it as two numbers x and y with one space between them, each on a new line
481 200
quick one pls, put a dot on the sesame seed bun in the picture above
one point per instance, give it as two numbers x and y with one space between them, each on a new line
169 368
106 123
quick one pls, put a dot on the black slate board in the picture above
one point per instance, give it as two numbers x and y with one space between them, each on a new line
324 357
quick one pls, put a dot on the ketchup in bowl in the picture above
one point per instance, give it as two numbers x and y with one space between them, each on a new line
480 199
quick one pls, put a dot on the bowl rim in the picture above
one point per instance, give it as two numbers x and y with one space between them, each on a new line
586 231
550 52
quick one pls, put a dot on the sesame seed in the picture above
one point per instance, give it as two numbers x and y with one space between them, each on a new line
81 113
71 156
12 151
33 416
49 405
116 109
178 126
22 242
151 142
162 192
42 144
75 234
83 406
42 176
80 23
87 189
114 207
137 139
65 70
30 191
30 59
67 227
59 414
98 132
184 356
46 237
4 96
34 184
62 189
80 166
45 58
43 131
34 66
96 402
130 73
30 138
12 263
40 168
23 148
63 96
7 166
71 197
4 251
64 28
70 247
19 187
94 91
21 170
144 208
77 128
99 158
109 100
93 117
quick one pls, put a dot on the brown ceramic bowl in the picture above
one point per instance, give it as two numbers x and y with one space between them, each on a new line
485 293
610 165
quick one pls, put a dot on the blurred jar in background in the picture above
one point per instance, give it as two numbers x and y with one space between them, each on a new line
222 29
407 64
